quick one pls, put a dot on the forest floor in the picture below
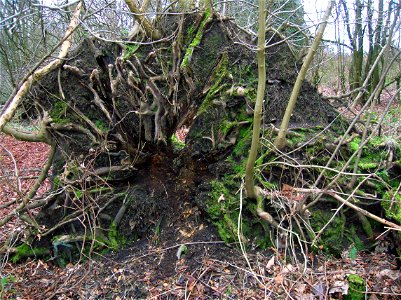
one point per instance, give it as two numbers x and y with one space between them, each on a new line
157 267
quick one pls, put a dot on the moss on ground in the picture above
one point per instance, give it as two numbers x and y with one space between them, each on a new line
25 251
357 288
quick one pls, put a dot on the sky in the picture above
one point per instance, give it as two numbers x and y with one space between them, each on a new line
314 10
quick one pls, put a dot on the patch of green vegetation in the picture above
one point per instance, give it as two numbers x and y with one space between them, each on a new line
353 238
338 236
244 141
223 209
191 30
354 144
56 182
219 74
114 239
237 158
24 251
101 125
59 112
332 240
196 40
4 284
129 50
78 193
227 125
356 289
366 164
392 205
247 77
176 143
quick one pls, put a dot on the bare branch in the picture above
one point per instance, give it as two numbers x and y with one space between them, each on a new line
12 105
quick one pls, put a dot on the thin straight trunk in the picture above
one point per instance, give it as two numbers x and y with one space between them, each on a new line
281 141
357 56
257 113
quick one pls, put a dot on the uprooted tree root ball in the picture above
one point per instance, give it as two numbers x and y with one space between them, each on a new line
111 112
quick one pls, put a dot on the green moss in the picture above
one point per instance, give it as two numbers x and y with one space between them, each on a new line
58 112
102 126
223 209
191 30
227 125
392 205
356 289
129 50
332 239
354 144
196 40
219 74
24 251
56 182
114 239
247 77
176 143
365 164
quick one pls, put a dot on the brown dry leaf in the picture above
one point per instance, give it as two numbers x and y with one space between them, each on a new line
279 279
287 269
186 233
270 263
201 291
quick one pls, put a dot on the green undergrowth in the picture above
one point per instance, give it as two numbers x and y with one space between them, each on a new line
344 231
357 288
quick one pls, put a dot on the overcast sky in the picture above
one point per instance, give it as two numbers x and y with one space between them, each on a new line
314 10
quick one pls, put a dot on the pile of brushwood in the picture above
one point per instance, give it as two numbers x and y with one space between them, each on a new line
111 113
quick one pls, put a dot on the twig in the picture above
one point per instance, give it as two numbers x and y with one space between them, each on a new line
349 204
34 189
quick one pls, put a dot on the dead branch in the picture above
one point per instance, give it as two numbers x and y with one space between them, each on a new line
349 94
34 189
40 136
141 18
351 205
12 105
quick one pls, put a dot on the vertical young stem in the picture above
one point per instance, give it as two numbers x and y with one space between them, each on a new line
257 114
281 140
